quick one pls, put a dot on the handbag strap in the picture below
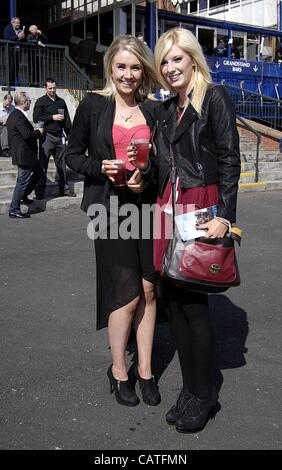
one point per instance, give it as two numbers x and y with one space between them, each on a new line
172 177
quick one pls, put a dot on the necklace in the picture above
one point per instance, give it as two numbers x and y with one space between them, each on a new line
180 109
126 118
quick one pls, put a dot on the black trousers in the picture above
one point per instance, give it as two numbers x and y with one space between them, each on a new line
193 332
52 145
28 176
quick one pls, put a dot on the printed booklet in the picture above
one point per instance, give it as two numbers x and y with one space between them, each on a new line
187 223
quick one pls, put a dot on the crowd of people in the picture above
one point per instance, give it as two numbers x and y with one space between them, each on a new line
19 140
198 121
17 34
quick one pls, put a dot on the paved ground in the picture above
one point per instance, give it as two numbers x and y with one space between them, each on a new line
54 390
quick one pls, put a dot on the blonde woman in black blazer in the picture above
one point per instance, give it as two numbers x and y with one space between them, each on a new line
125 273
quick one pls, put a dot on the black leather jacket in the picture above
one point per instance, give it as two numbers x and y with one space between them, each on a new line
205 148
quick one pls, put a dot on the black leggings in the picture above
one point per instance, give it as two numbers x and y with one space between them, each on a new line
194 336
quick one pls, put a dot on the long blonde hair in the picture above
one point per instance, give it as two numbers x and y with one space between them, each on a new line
142 52
189 44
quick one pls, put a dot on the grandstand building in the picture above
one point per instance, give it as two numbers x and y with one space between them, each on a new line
70 19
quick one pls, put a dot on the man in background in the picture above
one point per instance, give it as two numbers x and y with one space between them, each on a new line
5 111
220 50
86 54
23 139
37 40
14 32
53 112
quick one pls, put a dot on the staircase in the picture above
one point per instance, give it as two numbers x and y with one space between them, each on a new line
8 176
270 164
270 176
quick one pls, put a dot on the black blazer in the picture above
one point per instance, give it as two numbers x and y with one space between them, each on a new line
23 139
92 131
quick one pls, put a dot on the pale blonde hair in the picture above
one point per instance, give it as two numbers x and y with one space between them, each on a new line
142 52
186 41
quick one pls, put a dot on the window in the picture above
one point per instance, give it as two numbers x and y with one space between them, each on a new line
78 8
52 14
66 9
218 3
91 7
193 6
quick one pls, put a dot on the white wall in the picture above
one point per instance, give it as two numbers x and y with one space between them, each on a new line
254 12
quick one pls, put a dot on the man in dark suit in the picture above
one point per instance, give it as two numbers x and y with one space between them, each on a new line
23 149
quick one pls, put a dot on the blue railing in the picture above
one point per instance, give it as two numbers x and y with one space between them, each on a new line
28 65
256 106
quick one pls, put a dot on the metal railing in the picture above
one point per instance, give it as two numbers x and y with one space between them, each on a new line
28 65
258 136
252 105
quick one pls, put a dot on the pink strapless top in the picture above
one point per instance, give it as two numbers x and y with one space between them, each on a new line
122 138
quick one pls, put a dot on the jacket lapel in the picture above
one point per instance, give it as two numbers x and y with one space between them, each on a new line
190 115
167 122
105 125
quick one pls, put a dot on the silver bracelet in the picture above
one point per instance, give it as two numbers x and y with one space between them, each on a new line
224 222
144 172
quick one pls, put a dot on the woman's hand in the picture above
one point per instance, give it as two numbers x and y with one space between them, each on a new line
108 169
136 183
215 228
131 154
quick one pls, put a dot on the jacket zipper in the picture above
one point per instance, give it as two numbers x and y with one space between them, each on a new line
205 149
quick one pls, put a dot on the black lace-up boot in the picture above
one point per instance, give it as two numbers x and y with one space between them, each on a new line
173 414
197 413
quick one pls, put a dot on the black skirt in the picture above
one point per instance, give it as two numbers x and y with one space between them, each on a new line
121 264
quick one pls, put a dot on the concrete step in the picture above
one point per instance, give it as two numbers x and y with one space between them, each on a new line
49 204
8 177
263 166
260 186
267 156
52 190
265 175
247 177
6 165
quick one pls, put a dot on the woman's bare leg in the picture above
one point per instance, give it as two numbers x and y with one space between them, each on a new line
144 324
119 326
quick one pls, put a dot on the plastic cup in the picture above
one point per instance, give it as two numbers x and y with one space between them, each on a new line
142 149
39 125
120 176
61 111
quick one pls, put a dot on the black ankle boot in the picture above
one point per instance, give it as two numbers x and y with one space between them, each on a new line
149 389
125 395
176 411
197 413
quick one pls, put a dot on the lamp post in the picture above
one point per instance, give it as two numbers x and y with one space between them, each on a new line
151 12
13 8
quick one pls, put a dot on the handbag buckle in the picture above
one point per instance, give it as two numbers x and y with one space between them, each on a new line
214 268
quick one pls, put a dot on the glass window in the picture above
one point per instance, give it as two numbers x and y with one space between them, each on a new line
66 9
193 6
218 3
78 8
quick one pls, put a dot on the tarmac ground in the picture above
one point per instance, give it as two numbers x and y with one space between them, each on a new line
54 389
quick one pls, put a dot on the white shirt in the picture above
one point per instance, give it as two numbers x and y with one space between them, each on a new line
25 113
5 112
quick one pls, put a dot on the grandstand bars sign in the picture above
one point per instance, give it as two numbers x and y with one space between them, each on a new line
235 65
